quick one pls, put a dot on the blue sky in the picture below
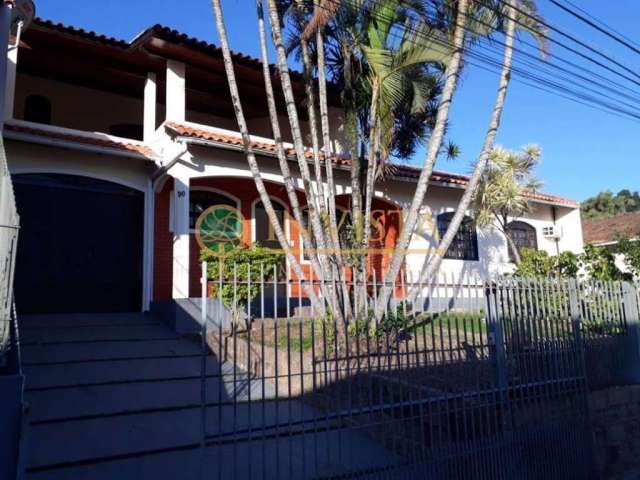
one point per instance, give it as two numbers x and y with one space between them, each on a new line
584 150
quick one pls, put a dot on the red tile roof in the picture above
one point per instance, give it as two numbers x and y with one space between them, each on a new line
607 230
160 31
396 170
79 32
125 145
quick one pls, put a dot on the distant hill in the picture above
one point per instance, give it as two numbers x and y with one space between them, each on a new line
607 204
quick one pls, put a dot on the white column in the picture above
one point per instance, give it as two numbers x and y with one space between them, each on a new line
12 68
180 232
150 99
149 244
5 27
176 100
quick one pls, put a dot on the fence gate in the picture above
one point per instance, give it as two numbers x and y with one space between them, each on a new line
464 380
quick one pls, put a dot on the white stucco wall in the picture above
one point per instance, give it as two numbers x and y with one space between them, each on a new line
89 109
78 107
29 158
492 246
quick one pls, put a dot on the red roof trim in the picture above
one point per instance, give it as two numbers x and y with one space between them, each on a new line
125 146
396 170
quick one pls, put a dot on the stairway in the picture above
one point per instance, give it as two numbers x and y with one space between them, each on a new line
118 396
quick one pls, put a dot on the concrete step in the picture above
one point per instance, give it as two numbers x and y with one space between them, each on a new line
112 399
114 371
106 437
82 352
97 333
80 319
335 453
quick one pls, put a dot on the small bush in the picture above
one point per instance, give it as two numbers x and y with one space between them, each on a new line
238 266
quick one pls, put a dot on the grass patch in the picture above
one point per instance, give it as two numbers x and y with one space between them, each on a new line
469 322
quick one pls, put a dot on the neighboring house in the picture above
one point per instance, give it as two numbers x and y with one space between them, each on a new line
605 232
115 147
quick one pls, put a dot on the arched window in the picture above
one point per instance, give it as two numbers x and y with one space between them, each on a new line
200 200
264 232
465 244
37 109
523 236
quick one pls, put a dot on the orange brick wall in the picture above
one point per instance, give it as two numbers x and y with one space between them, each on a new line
245 191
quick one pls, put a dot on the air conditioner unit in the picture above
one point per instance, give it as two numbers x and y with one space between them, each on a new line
552 231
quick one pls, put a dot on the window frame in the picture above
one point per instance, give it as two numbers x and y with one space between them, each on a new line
523 227
471 251
203 189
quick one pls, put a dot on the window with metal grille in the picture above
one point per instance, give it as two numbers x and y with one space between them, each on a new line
523 236
200 200
465 244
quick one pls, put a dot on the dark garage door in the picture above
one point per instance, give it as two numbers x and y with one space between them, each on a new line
80 245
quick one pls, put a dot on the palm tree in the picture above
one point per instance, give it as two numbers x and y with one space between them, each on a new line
435 142
502 189
282 159
485 20
251 159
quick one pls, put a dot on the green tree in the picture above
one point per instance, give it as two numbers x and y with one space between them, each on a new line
607 204
630 250
599 263
399 86
501 194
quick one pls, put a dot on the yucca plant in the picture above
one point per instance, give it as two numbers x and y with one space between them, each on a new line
503 187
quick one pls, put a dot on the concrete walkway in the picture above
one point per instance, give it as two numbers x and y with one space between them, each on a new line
118 396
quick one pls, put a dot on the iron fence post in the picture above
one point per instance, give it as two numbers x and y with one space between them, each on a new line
203 371
496 336
630 358
576 321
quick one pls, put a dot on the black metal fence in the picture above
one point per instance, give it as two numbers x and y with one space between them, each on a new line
490 384
9 226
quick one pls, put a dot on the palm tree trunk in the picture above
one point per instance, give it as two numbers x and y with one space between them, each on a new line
282 158
372 164
503 222
322 241
352 147
435 142
374 150
294 122
328 160
432 266
313 123
251 159
512 246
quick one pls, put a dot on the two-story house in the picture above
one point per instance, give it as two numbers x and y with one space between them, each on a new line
115 147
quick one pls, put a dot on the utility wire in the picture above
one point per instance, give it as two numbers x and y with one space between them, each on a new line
551 55
552 87
569 37
592 23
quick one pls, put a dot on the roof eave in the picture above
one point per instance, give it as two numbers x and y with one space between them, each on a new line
71 145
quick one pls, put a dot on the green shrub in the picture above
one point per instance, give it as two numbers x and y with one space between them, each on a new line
538 263
599 263
242 264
